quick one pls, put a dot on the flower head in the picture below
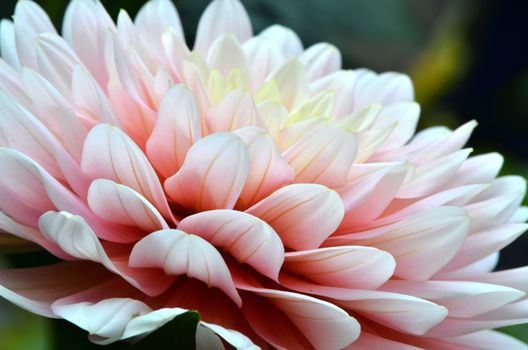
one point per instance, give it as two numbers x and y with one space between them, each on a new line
289 201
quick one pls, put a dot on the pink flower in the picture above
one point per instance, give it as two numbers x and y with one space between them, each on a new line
287 200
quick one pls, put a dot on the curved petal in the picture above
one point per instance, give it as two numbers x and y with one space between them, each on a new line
268 171
226 55
20 286
109 153
303 215
421 245
295 321
367 341
76 238
462 299
265 56
122 205
222 16
249 239
399 311
345 267
292 83
177 253
177 128
213 174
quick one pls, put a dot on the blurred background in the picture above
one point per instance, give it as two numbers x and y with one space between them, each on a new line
468 60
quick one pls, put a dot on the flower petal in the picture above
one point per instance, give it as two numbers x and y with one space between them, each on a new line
292 83
122 205
325 157
236 110
421 245
176 130
268 171
320 60
285 38
345 267
303 215
177 253
399 311
247 238
109 153
213 174
75 237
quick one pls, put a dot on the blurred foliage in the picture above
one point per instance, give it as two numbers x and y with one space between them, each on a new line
468 60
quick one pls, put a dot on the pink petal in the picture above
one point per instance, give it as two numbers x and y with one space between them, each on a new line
153 20
432 176
122 205
421 245
176 130
247 238
323 158
367 197
176 51
295 321
234 338
177 253
20 286
213 174
399 311
110 154
463 299
482 168
222 16
75 237
303 215
85 28
11 229
346 267
489 340
406 114
367 341
515 278
91 99
485 242
268 171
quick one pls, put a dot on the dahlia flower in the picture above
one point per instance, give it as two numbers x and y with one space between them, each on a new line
288 201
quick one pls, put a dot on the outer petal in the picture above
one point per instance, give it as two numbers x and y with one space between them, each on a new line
399 311
55 281
488 340
268 171
345 267
249 239
463 299
303 215
176 130
213 174
220 17
177 253
295 321
110 154
367 341
421 245
76 238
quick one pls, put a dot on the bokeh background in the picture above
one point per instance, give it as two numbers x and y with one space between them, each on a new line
467 58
